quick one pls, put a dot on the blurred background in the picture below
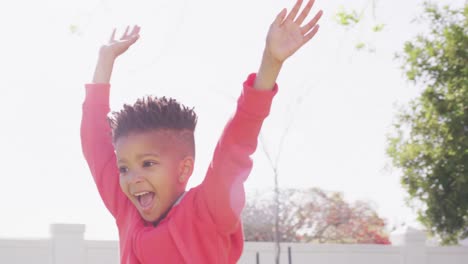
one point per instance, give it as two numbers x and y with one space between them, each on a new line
330 132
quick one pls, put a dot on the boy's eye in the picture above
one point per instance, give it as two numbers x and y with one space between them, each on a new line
149 163
123 170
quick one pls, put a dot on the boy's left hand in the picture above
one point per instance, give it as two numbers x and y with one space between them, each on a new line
286 35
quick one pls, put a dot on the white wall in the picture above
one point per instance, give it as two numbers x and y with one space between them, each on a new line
67 245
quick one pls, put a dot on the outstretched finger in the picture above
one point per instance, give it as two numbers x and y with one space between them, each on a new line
304 12
280 17
124 36
312 23
311 34
135 31
295 10
112 38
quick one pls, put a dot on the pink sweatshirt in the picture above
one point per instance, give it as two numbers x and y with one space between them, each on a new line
205 226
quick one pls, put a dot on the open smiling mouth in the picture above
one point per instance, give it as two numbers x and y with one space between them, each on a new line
145 199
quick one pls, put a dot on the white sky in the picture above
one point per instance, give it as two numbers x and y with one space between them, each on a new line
199 52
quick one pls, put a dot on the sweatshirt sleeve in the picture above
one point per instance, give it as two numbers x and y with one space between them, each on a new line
96 143
223 187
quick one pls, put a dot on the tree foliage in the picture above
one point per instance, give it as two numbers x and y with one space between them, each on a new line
349 19
312 216
430 143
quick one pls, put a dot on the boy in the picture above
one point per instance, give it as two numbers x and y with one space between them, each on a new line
142 161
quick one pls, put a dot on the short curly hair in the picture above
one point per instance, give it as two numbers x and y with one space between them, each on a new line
153 113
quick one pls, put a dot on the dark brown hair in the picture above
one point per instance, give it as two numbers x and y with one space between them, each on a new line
152 113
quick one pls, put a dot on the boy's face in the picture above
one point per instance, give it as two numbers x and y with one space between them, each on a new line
151 171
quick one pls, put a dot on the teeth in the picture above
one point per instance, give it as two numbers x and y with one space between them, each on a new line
140 193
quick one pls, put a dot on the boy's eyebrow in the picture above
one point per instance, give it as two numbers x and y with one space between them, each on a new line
147 154
121 160
141 156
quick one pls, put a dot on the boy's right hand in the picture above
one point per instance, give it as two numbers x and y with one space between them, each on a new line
115 48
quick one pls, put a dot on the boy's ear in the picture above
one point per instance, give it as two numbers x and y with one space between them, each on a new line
185 169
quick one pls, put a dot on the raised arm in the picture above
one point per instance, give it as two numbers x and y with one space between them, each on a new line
223 189
96 139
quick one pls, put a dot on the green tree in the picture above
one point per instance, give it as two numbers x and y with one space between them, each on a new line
429 142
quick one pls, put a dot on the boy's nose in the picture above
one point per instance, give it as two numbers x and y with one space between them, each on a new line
136 177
